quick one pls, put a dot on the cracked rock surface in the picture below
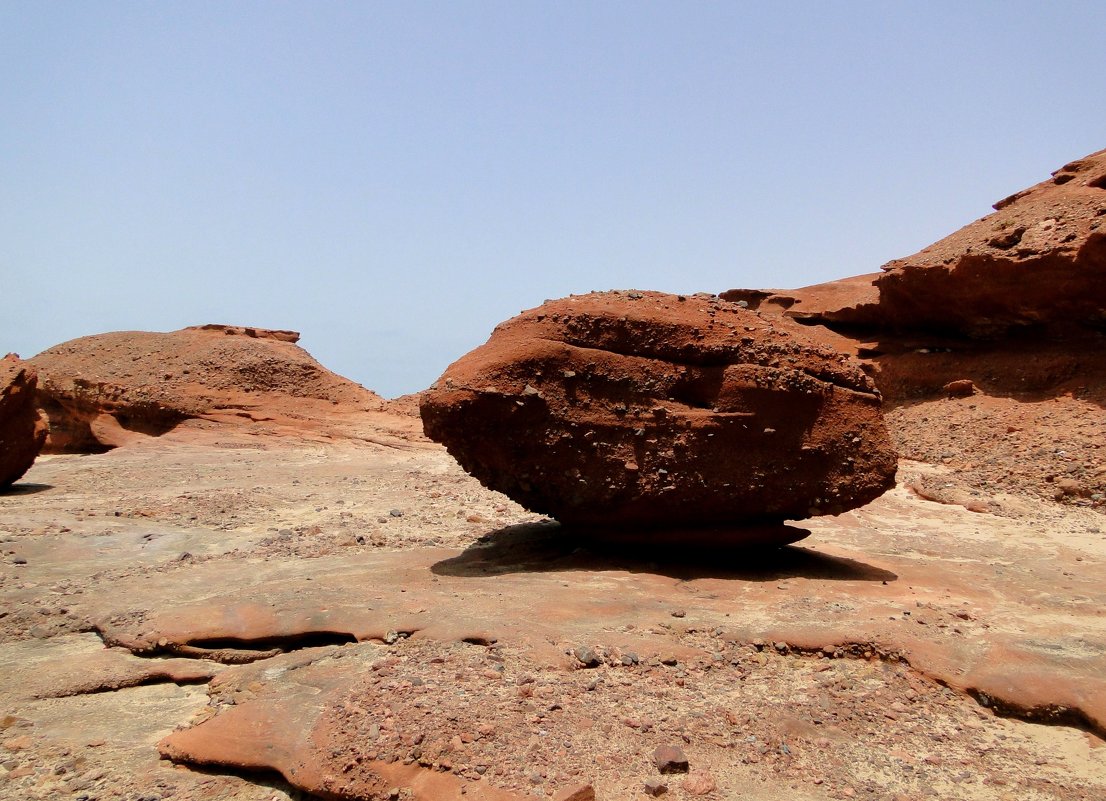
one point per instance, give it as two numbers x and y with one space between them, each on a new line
214 615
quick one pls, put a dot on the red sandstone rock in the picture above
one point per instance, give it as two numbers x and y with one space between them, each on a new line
670 759
22 431
961 388
1039 260
653 410
852 301
1009 310
102 391
699 783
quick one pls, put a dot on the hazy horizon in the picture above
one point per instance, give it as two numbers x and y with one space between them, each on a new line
394 180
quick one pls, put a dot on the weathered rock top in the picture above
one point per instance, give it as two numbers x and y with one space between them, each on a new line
1039 261
151 381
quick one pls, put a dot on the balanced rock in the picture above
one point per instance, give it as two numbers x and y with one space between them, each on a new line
648 410
22 430
102 391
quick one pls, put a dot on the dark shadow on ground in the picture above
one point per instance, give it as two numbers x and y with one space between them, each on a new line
261 777
547 546
25 489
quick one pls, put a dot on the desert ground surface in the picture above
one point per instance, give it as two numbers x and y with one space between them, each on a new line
229 614
234 574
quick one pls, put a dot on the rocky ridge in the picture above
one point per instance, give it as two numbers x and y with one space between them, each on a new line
988 346
1036 265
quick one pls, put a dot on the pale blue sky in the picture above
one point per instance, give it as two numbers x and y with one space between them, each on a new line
395 179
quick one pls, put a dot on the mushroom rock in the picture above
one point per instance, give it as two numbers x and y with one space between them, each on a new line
22 430
106 390
643 410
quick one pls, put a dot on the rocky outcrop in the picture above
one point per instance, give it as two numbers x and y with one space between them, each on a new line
646 410
1014 302
102 391
1038 262
22 431
968 337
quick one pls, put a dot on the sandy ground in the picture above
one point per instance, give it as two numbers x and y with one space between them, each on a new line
360 619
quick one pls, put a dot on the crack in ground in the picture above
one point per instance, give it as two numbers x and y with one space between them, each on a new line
1046 714
125 684
243 650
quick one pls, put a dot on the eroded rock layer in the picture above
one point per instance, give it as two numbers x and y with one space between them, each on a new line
1040 259
22 431
1038 262
100 391
651 410
989 346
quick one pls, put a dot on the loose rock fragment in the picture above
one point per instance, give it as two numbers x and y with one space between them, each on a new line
699 783
962 388
670 759
587 656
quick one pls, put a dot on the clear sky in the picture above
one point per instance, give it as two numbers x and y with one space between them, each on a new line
393 179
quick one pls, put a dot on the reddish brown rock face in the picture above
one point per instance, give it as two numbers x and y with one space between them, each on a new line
650 410
22 431
1038 264
102 391
1040 259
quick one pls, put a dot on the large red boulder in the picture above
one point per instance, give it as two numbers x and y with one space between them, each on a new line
102 391
22 430
642 409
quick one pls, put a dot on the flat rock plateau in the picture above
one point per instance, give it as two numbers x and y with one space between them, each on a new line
289 619
241 595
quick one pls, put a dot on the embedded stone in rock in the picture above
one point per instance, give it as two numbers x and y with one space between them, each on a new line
580 792
22 430
648 410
